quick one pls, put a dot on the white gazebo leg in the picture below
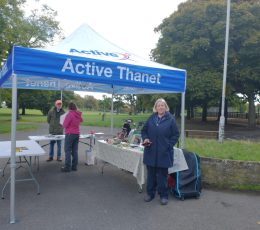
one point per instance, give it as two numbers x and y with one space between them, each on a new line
13 149
182 119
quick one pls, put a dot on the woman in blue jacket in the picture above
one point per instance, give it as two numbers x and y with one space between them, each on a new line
160 134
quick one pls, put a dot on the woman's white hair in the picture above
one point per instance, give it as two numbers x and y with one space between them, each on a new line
156 103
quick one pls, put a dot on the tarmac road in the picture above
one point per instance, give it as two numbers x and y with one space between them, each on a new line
86 199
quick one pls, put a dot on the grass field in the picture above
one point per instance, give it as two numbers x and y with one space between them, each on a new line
90 119
230 149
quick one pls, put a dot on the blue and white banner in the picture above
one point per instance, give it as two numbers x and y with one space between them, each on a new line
34 63
85 61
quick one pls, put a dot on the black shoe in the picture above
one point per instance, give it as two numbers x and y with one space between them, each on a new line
74 169
148 198
164 201
49 159
65 169
59 159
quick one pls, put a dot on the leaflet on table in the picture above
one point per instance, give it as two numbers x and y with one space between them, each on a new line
20 149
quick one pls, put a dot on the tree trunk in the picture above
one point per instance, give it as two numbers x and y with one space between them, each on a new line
204 112
251 111
23 109
192 115
18 117
177 111
188 113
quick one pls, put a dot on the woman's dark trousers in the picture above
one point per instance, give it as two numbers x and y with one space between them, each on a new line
71 150
157 179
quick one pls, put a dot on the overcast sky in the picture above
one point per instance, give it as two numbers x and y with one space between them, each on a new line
127 23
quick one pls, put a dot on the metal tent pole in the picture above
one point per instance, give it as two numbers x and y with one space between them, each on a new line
112 112
182 119
13 149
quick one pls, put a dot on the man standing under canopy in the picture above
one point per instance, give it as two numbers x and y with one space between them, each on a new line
55 128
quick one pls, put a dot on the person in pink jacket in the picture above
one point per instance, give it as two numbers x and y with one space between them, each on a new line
71 126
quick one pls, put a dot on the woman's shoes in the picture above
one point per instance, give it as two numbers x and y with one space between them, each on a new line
164 201
65 169
148 198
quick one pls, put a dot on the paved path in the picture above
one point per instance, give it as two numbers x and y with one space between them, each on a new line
86 199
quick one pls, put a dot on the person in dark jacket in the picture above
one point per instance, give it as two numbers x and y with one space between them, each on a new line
72 130
55 128
159 134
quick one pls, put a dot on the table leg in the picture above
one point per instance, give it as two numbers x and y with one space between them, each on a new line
32 178
3 173
38 162
103 166
8 180
140 189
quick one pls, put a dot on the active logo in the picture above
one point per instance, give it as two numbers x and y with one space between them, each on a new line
118 56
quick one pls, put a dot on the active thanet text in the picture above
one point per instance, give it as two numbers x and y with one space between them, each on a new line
91 69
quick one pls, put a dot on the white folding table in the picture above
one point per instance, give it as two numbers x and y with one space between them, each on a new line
50 137
131 159
24 149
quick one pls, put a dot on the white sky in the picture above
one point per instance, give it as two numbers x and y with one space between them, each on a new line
127 23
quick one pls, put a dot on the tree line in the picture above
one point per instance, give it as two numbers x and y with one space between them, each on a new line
193 38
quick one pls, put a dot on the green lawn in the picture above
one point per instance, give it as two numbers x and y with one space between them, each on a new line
5 120
229 149
95 119
235 150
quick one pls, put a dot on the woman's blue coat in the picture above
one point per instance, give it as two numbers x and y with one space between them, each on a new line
163 135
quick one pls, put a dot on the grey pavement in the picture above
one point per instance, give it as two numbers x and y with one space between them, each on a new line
86 199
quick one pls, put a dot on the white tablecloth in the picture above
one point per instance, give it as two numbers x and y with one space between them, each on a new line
131 159
124 158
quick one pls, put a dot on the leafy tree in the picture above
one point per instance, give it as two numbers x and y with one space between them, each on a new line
90 102
36 30
244 55
41 99
144 102
118 103
131 100
193 38
105 104
188 42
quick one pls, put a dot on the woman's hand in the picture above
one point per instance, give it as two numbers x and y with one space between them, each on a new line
146 142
